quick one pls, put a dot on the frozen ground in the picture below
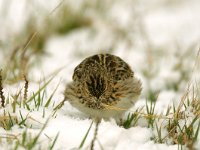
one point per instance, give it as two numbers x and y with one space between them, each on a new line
158 39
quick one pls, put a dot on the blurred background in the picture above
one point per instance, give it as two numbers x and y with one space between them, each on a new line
159 39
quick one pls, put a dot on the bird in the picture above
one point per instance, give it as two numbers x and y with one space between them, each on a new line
103 86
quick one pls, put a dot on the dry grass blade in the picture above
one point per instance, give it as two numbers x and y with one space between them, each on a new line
9 136
59 4
139 113
98 121
33 35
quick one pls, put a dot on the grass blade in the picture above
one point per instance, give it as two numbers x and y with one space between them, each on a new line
85 137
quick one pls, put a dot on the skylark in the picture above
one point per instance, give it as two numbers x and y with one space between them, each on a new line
103 86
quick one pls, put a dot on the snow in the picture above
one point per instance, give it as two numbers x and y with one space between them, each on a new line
163 25
174 23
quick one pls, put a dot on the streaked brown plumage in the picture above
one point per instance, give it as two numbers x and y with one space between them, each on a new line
103 80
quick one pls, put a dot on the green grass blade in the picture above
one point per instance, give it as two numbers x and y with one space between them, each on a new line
54 141
85 137
51 96
197 131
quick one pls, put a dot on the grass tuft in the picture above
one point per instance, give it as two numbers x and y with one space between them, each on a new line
29 142
2 97
25 90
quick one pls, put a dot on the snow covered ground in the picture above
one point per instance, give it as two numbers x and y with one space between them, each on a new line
158 39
